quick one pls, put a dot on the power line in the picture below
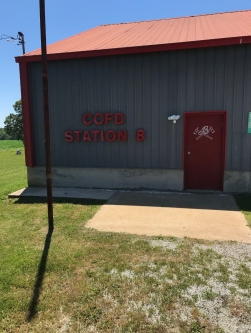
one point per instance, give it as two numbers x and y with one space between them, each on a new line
19 40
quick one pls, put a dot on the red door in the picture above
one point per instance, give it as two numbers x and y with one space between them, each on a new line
204 150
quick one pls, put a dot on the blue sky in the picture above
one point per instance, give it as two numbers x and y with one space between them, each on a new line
66 18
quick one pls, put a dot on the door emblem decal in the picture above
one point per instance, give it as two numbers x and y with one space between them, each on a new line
204 131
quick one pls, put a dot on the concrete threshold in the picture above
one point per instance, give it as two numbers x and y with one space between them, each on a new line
64 192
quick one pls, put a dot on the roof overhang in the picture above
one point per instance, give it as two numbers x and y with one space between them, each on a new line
137 49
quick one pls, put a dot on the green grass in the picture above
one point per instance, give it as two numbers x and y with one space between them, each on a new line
13 172
11 145
82 280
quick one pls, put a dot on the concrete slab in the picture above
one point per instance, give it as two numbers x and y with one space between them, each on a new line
201 216
64 192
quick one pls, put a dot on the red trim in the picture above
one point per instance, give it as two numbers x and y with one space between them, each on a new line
139 49
26 108
224 130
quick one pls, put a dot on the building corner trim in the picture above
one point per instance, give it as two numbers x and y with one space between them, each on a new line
26 110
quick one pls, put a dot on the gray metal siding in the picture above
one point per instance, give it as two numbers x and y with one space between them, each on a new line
146 88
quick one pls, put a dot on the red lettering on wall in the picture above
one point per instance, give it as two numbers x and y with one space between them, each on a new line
96 120
84 119
108 117
110 135
122 135
140 135
100 119
68 136
102 135
78 133
119 118
87 136
95 135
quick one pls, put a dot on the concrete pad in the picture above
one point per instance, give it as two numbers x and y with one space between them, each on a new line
64 192
201 216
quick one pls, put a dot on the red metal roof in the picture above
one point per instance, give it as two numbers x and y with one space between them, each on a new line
148 36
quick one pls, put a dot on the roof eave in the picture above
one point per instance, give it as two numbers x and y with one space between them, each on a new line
138 49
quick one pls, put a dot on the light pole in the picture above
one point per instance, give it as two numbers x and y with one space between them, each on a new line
19 40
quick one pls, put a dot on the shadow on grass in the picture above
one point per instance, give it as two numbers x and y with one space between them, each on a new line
39 278
42 200
32 311
209 201
243 201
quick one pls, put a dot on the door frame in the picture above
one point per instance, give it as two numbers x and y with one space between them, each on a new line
222 113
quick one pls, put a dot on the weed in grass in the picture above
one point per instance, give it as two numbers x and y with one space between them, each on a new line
209 295
244 277
159 237
90 315
196 327
223 272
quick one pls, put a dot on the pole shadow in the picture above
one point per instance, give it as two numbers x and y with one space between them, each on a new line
43 200
39 279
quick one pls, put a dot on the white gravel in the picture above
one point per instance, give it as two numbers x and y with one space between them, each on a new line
163 243
219 299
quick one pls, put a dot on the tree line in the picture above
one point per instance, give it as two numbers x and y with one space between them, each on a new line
4 135
13 124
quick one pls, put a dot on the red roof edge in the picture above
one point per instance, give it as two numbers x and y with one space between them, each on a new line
138 49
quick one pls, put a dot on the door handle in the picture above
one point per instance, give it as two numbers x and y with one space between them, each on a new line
188 153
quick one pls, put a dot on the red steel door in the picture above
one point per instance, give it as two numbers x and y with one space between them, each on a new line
204 150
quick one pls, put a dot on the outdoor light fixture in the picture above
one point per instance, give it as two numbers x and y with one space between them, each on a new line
174 118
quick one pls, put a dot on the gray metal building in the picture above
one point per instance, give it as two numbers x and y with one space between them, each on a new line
109 108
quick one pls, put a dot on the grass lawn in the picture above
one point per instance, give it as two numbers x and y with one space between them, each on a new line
11 145
81 280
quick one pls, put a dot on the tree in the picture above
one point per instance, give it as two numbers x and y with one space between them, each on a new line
13 124
4 135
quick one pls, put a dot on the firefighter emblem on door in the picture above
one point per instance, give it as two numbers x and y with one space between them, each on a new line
204 131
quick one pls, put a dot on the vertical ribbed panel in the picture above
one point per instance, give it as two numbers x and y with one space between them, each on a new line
146 88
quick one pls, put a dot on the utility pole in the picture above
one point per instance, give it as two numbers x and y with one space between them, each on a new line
46 116
19 40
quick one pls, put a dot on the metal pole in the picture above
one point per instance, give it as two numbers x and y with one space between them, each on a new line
23 44
46 116
21 36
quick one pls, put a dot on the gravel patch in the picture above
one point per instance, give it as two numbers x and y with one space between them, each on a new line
220 298
163 243
220 315
224 295
150 311
235 250
64 323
